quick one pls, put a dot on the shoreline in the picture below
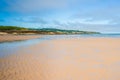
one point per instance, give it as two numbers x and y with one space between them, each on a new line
21 37
69 59
10 37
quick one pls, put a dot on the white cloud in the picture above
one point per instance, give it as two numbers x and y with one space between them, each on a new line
97 22
35 5
93 21
31 19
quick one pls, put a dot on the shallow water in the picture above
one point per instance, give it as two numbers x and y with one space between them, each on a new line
7 48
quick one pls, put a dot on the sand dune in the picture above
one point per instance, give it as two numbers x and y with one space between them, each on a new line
70 59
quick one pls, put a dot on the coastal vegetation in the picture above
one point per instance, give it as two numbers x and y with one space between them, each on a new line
51 31
11 28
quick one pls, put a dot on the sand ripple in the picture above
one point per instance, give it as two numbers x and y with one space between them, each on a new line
72 59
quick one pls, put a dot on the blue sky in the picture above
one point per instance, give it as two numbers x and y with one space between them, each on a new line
91 15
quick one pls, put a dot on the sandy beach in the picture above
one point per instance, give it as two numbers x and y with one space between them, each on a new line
64 59
7 37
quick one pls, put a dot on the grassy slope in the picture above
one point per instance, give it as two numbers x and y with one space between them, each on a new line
12 29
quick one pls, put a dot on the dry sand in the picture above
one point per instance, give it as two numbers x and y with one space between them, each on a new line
8 37
70 59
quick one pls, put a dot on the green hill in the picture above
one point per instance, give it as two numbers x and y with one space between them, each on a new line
61 31
21 30
12 28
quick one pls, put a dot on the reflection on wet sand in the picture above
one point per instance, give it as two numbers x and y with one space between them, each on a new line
69 59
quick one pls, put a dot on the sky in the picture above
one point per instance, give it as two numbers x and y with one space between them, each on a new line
87 15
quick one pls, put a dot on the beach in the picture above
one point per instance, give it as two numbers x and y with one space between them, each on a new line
8 37
64 59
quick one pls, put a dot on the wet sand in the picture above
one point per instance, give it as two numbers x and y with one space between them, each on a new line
7 37
65 59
